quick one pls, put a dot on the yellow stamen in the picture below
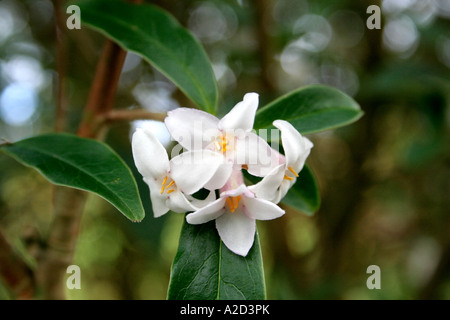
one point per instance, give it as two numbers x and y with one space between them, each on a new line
230 204
224 144
170 184
293 171
164 185
233 203
238 198
288 178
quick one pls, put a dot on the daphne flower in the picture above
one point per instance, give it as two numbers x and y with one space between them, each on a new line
276 184
235 213
170 181
230 137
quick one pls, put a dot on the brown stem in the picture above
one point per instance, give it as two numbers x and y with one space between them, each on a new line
131 115
69 203
61 51
265 51
103 91
58 255
14 272
104 87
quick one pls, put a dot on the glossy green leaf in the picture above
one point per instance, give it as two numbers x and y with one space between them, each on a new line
310 109
204 268
304 194
84 164
156 36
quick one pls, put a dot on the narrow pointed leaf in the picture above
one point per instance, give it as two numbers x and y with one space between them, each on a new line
84 164
304 194
310 109
204 268
156 36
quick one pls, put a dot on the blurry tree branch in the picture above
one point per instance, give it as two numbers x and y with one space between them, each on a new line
69 203
14 271
339 215
263 20
104 87
57 255
130 115
61 61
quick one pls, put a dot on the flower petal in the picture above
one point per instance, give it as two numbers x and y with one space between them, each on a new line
209 212
159 206
193 129
237 231
221 176
177 202
235 180
198 203
261 209
284 188
254 152
193 169
150 157
268 186
242 116
239 191
296 147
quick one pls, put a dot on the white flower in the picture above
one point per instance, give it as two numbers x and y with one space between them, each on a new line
217 152
170 181
235 213
276 184
231 137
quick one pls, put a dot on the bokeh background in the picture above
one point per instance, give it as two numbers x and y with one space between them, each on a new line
384 180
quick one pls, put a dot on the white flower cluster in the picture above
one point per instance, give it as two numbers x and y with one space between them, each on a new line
216 153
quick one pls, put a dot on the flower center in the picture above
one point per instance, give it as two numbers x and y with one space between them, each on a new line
288 177
168 186
223 143
233 203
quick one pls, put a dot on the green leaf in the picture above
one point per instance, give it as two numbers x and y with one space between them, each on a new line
84 164
156 36
310 109
204 268
304 194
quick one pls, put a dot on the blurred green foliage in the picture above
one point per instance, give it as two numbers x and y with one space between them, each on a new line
384 180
